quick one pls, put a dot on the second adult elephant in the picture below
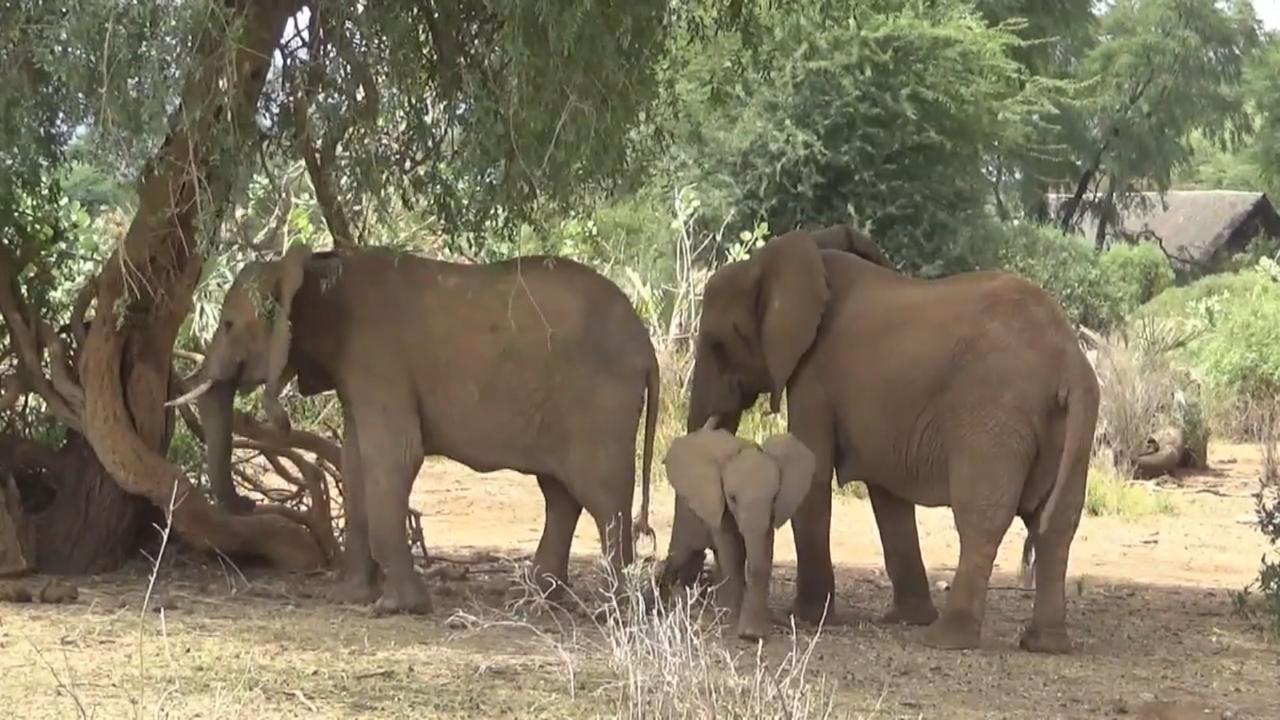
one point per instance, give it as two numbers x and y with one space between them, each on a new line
535 364
969 391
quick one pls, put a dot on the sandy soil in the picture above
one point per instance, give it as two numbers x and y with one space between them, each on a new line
1150 611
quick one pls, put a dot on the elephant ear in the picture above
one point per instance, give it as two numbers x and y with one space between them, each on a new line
695 463
796 464
793 294
847 239
288 279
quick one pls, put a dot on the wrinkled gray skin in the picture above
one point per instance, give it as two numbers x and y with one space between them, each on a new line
535 364
742 492
969 391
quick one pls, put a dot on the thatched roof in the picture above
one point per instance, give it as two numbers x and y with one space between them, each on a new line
1192 225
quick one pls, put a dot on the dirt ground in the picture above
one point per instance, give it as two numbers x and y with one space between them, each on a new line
1150 610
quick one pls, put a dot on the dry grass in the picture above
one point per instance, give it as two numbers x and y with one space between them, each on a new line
1110 494
1139 395
667 659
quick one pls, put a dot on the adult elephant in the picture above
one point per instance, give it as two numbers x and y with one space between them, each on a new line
968 391
534 364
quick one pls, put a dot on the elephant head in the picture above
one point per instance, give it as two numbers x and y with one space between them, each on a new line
249 348
742 492
759 317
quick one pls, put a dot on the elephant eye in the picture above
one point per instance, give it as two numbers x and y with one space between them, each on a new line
226 325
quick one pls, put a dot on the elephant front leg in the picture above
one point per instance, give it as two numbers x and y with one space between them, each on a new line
900 540
390 456
359 584
811 525
731 558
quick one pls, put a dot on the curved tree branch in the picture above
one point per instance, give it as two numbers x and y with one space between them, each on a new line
27 345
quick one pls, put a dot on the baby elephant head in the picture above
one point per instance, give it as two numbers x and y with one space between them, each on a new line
743 492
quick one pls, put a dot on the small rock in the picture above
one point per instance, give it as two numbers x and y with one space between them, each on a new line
164 602
942 586
15 594
56 592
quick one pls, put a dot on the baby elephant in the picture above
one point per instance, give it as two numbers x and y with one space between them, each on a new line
743 492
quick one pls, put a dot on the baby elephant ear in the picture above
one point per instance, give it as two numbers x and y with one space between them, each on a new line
694 465
796 465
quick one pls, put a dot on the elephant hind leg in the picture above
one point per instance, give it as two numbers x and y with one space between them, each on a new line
985 486
1048 629
900 540
606 494
551 561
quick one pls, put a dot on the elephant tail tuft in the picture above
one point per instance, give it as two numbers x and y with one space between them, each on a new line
1080 394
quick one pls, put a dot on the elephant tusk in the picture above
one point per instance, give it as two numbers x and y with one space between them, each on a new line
194 393
711 422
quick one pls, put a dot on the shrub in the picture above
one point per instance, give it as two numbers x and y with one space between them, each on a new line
1235 349
1136 273
1110 493
667 659
1264 612
1143 391
1064 265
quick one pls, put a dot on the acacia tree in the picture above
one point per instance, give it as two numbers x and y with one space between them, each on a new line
1162 72
480 113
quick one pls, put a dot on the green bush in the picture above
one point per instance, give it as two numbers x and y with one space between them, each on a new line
1064 265
1136 273
1232 322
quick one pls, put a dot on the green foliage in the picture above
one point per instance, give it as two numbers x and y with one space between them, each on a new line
880 114
1136 272
1232 321
1110 494
1262 81
1064 265
1160 71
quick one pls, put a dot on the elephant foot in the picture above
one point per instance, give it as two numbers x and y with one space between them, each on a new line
1053 642
753 629
953 632
353 592
821 611
912 613
410 597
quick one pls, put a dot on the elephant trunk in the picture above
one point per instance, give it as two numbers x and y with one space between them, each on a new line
216 407
753 623
686 550
702 401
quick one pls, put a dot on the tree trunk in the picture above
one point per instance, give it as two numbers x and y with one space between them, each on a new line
126 360
71 518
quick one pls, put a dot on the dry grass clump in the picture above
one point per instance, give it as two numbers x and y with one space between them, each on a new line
666 659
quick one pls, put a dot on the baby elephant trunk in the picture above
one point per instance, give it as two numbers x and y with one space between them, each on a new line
753 622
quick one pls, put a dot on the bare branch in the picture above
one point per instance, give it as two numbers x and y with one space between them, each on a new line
60 369
27 345
84 298
247 426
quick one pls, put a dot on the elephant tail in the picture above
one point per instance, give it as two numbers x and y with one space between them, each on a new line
1079 393
652 382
